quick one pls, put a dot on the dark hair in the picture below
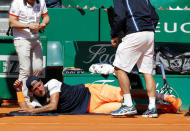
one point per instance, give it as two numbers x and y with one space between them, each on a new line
29 81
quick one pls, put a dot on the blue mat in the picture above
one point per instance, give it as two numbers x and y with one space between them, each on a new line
17 113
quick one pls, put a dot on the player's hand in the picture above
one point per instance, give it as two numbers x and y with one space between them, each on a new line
34 26
115 42
26 110
42 26
18 85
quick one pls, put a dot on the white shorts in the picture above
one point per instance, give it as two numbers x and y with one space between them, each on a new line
136 48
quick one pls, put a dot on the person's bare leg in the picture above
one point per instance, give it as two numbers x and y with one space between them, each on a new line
127 107
124 83
150 85
123 80
151 89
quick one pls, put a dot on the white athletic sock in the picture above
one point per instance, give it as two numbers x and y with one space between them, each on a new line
127 100
159 96
152 103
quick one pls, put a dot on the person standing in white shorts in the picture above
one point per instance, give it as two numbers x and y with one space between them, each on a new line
137 19
24 18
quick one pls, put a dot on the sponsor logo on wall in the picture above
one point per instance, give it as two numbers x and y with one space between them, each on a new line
100 53
173 27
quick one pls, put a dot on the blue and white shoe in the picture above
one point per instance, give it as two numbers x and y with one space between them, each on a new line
124 110
151 113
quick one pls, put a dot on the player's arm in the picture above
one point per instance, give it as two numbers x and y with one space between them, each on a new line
119 18
14 15
54 99
154 16
18 87
14 23
45 21
118 22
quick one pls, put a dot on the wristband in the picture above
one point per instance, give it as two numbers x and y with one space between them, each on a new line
20 97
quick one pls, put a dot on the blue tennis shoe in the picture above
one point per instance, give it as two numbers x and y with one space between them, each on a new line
124 110
151 113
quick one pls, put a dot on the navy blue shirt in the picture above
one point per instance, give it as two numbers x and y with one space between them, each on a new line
74 99
132 16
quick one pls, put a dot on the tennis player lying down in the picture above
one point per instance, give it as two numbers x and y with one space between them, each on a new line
83 98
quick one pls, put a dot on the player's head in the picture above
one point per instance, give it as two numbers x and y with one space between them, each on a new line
35 85
31 1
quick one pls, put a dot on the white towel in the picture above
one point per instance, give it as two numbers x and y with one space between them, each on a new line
101 68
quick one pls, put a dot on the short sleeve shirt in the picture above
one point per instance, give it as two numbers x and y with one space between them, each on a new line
27 14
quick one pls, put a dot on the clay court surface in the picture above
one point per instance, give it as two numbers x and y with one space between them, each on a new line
165 122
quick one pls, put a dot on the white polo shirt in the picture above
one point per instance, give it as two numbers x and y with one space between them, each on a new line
27 14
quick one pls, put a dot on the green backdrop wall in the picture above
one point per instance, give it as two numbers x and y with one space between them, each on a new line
86 25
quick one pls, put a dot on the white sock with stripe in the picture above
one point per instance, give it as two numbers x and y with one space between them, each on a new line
127 100
152 103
